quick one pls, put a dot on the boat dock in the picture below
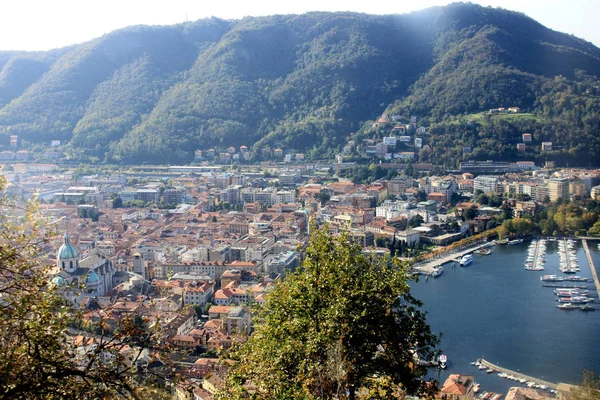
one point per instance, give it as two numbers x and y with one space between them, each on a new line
517 374
568 286
426 268
538 255
592 267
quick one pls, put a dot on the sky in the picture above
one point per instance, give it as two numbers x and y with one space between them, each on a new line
48 24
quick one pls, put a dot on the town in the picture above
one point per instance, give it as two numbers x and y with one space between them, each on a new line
193 248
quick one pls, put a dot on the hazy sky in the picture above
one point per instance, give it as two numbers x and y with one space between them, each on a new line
46 24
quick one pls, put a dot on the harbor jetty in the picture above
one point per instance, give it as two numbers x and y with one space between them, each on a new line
517 374
426 268
592 267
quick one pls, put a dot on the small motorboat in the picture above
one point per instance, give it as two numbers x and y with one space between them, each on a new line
443 359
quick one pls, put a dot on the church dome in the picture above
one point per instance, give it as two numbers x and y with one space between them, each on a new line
59 281
67 250
93 278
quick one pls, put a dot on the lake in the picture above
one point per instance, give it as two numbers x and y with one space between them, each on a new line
497 310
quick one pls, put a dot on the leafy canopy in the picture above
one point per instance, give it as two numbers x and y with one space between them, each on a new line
343 326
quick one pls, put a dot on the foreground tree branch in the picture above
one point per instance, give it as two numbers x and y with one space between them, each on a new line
39 357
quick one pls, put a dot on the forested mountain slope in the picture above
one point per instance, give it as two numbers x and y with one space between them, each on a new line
304 82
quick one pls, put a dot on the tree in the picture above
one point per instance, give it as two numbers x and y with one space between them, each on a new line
381 241
421 195
117 202
39 357
340 325
482 199
595 230
589 388
470 213
416 221
323 197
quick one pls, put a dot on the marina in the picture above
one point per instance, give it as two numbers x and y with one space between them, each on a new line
568 258
522 378
536 256
519 326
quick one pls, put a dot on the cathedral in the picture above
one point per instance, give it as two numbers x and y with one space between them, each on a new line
88 278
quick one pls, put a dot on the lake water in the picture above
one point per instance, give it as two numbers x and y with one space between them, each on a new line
497 310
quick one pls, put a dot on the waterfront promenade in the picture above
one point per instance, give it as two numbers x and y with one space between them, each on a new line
592 267
426 268
517 374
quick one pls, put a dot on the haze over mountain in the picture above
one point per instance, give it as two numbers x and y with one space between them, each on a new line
305 82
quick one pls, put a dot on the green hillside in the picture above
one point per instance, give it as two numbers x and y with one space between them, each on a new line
304 82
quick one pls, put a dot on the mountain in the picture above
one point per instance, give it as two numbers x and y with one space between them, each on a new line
303 82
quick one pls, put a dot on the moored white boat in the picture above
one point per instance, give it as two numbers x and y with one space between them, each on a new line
443 359
437 271
466 260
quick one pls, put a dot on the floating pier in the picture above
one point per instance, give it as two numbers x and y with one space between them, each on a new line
592 267
568 286
519 375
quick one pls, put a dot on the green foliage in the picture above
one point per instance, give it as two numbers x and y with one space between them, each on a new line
415 221
362 174
135 203
589 388
325 332
307 82
323 197
595 229
117 202
39 357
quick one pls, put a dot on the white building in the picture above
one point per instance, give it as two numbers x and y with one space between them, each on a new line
285 197
487 184
390 140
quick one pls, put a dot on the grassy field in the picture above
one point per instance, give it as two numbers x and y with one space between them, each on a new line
480 117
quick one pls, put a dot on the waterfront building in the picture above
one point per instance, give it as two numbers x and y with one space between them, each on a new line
411 236
558 188
458 386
